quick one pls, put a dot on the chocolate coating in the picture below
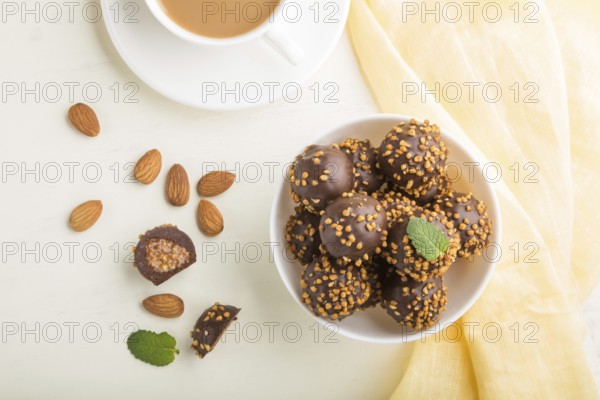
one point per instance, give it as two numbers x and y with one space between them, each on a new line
361 199
395 204
401 253
334 292
302 235
377 273
320 175
414 304
210 326
440 188
149 259
413 157
470 219
353 226
368 176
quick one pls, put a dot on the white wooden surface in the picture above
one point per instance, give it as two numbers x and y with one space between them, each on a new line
62 303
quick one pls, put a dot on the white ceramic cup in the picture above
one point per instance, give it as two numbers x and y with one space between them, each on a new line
268 31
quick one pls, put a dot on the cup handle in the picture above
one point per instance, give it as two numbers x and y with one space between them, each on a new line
285 46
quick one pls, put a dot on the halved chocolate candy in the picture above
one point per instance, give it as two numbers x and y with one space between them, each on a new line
211 325
163 252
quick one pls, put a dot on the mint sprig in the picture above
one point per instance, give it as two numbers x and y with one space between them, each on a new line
154 348
427 239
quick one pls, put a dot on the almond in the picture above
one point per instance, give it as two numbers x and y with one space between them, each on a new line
210 220
215 183
178 186
164 305
85 215
148 167
84 119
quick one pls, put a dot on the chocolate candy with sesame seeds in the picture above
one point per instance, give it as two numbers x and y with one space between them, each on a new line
368 176
163 252
211 325
440 188
412 303
362 254
413 158
395 204
353 227
320 175
331 291
302 235
377 273
401 253
470 219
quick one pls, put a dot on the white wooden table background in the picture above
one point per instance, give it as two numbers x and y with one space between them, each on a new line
81 300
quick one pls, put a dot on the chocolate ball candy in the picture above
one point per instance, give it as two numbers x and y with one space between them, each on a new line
441 187
413 157
353 226
412 303
211 325
368 176
470 218
331 291
401 253
377 273
302 235
320 175
163 252
395 204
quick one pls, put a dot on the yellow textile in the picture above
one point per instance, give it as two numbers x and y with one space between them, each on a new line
543 132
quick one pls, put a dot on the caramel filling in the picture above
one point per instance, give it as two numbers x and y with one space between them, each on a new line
165 255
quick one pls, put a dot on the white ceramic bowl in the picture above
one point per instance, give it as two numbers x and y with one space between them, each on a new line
466 280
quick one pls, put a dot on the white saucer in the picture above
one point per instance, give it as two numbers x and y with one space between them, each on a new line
221 78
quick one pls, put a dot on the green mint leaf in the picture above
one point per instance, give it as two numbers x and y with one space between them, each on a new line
429 240
154 348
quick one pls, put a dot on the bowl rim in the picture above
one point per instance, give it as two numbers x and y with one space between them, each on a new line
471 150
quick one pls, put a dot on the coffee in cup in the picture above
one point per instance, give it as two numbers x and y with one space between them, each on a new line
219 18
